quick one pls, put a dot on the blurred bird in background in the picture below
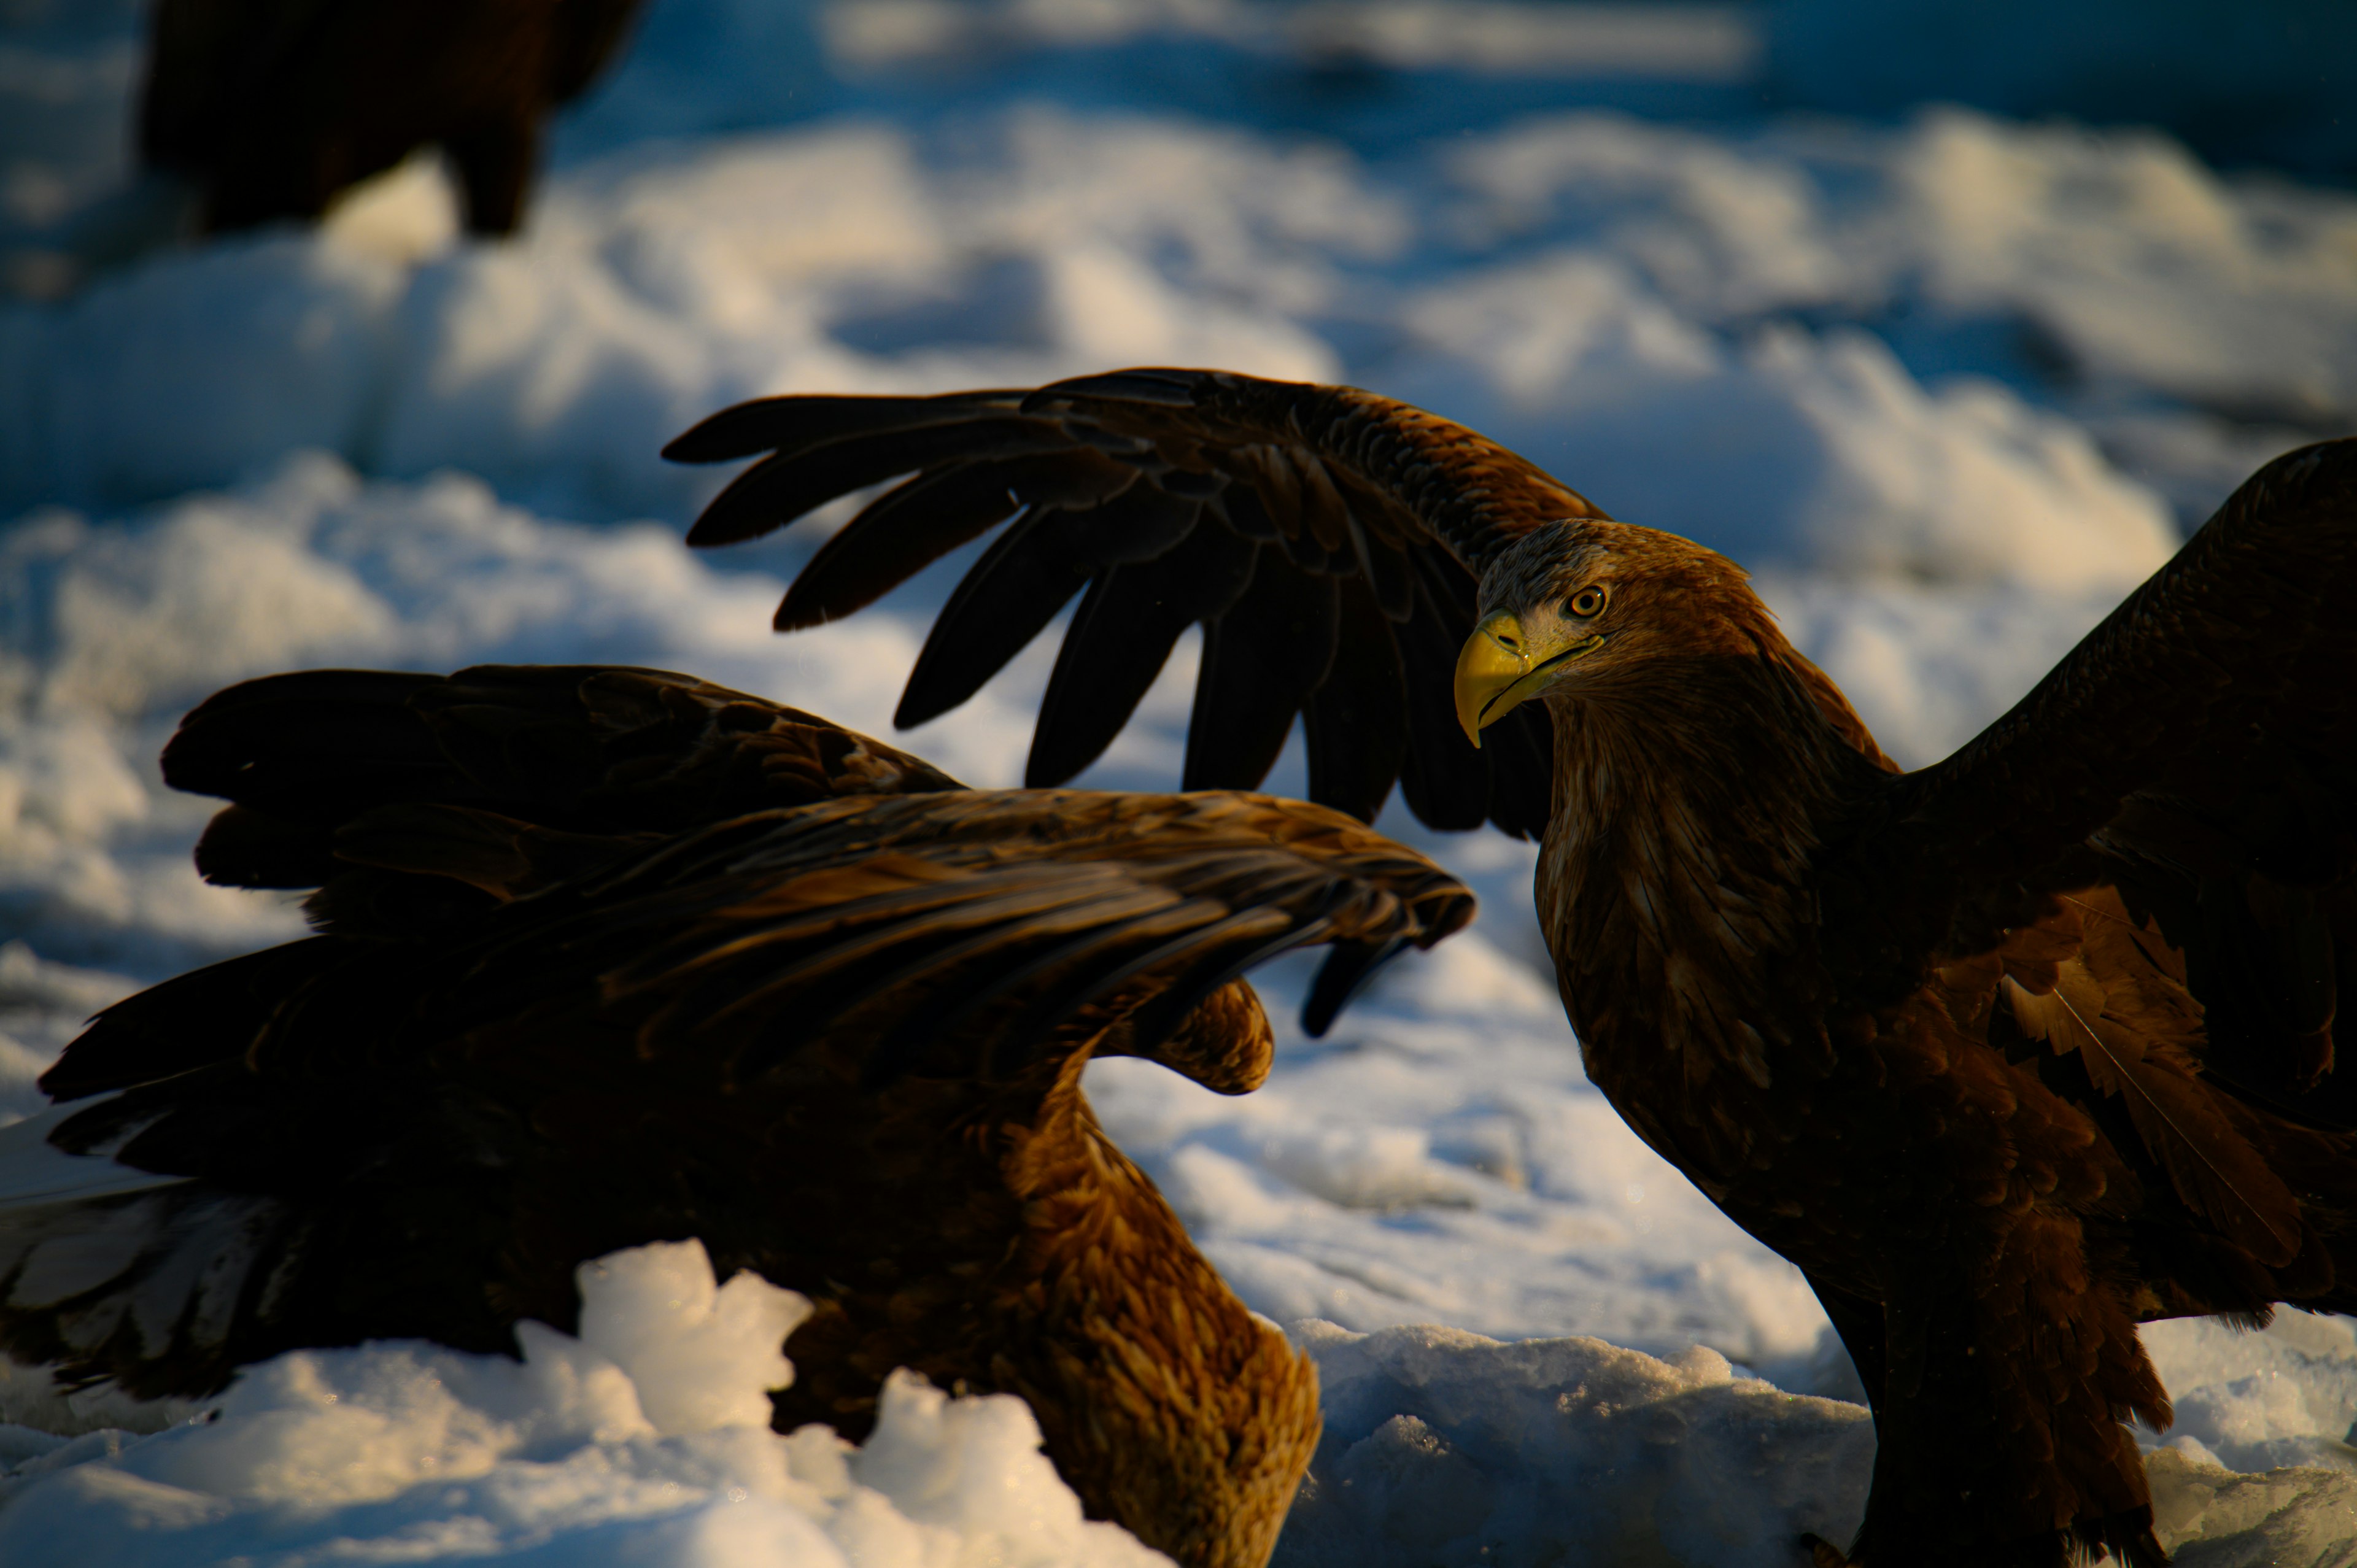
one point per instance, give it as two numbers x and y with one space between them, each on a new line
271 108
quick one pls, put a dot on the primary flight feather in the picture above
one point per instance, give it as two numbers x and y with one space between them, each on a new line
2008 1054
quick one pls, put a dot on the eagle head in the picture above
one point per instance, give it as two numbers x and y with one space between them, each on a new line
1577 605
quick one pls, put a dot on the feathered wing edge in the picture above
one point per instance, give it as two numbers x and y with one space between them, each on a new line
411 801
1328 540
1010 917
2120 1003
2243 649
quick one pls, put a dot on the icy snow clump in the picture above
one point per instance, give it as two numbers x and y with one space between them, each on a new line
1444 1449
644 1441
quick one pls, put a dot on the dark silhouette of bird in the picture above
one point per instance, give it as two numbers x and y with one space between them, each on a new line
273 107
611 956
2009 1054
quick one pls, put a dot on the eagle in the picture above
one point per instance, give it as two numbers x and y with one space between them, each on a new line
2008 1054
607 955
273 107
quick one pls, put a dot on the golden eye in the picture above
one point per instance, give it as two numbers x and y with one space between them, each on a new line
1586 603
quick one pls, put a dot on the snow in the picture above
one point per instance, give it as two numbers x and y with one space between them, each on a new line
646 1440
1443 1446
1950 384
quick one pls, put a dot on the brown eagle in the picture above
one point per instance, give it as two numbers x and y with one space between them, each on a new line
272 107
2008 1055
609 956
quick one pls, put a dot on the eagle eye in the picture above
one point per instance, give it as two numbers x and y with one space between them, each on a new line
1586 603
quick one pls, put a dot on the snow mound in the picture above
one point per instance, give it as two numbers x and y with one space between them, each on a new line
2257 1402
1820 451
659 284
2212 1518
645 1440
1628 287
1928 668
2142 269
1446 1448
1442 1448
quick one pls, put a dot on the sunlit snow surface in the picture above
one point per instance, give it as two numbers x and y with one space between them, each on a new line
644 1441
1950 386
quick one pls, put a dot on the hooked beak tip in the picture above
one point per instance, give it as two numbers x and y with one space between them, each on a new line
1487 667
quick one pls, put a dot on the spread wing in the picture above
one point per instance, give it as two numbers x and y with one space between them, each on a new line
594 750
2198 754
419 1124
1328 541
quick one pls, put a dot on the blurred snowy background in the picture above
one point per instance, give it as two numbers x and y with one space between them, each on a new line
1949 320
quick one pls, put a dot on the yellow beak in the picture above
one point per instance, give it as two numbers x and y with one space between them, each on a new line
1500 670
1494 658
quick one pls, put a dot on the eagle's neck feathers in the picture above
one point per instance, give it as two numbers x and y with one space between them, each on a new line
1674 882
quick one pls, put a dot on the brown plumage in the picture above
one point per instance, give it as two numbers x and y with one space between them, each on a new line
272 107
611 956
2008 1054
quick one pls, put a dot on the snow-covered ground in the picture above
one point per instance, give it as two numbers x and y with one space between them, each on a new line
644 1441
1950 384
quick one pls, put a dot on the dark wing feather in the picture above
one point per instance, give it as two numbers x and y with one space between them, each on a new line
1261 658
205 1016
1122 633
1337 485
749 427
2197 752
2138 1034
783 487
2244 635
914 524
1356 724
1007 599
903 913
1447 785
579 750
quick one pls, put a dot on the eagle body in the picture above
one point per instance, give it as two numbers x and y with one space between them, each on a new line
2008 1054
611 956
1886 1151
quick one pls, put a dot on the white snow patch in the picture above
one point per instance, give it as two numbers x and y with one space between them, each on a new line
2146 270
1442 1447
644 1440
659 284
1445 1447
1794 450
2287 1396
1928 668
